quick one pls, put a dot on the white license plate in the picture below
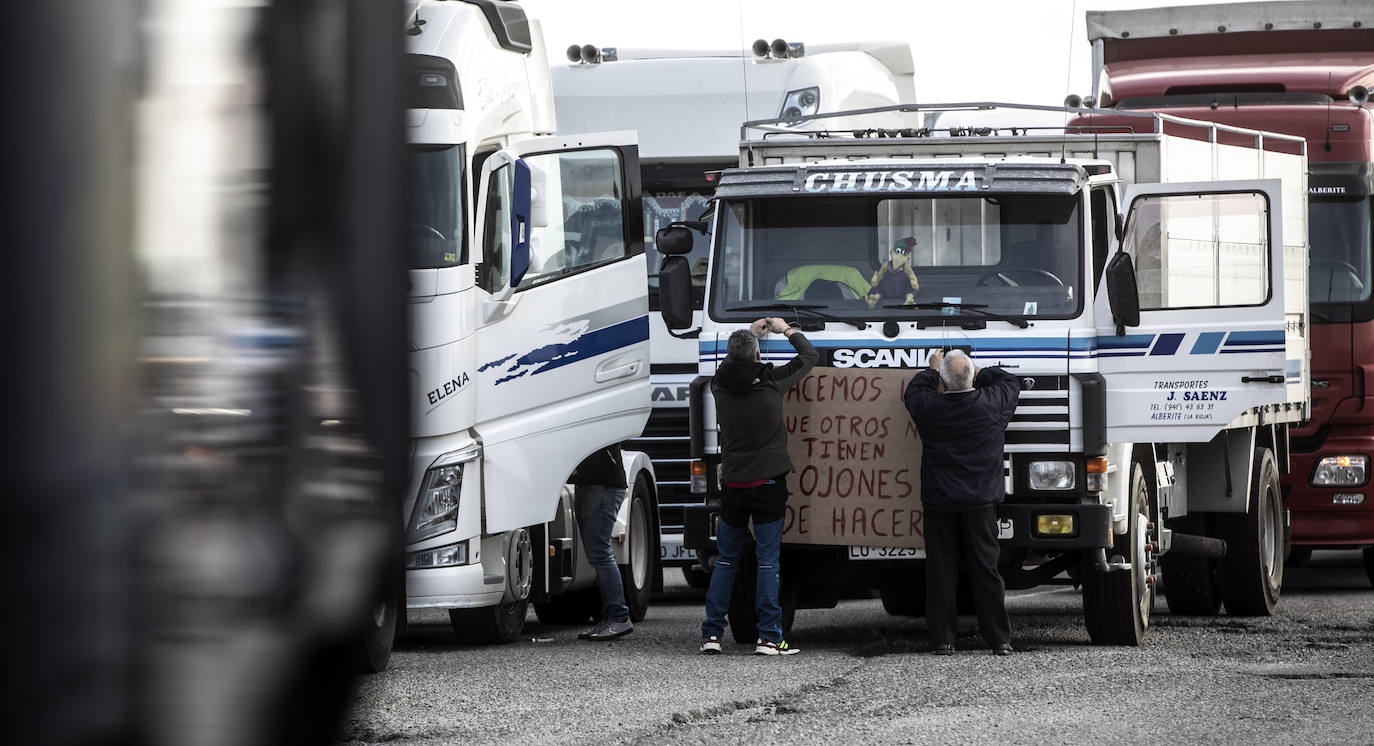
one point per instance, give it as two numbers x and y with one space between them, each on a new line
675 552
880 553
1005 530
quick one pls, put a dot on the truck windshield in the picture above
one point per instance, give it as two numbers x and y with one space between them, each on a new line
1340 234
864 256
434 206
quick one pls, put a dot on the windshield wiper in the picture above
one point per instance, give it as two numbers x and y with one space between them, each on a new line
977 308
798 309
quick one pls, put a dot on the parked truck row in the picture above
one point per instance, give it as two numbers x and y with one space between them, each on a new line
1143 269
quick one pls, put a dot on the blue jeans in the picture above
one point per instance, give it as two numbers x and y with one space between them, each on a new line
730 542
596 508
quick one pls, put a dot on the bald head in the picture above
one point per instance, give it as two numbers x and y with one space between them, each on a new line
956 370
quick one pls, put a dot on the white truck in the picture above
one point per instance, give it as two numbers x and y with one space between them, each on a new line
529 330
687 106
1162 358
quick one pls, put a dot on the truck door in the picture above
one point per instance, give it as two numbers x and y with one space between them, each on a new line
562 322
1211 340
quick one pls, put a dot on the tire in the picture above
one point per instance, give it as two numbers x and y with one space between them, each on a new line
574 607
907 600
1117 603
1369 563
637 575
373 652
1251 573
1190 582
696 578
490 625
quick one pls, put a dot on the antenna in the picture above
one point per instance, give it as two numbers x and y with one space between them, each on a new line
1068 82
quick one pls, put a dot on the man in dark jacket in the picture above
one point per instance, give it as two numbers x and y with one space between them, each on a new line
961 413
754 469
599 489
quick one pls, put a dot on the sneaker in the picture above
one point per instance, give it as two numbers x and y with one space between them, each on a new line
611 631
709 646
596 628
768 647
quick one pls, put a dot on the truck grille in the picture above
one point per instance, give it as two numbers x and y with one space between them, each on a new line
667 443
1042 416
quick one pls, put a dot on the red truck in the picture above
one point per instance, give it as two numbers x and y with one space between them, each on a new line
1301 68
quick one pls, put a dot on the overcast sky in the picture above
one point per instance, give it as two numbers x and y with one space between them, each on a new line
1021 51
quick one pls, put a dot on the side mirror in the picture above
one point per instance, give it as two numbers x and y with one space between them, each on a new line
522 198
674 240
675 289
1122 294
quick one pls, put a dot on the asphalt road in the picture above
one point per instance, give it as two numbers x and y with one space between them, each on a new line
1304 675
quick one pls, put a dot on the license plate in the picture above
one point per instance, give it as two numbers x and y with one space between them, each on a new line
670 549
1005 530
880 553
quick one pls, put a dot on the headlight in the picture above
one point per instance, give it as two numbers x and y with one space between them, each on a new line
453 554
1341 471
436 509
800 103
1051 475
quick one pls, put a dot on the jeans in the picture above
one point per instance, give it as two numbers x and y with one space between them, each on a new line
597 506
731 541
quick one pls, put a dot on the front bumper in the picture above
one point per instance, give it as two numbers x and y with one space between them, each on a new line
1093 523
460 587
1315 520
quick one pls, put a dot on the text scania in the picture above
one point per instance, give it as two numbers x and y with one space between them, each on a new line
890 181
881 358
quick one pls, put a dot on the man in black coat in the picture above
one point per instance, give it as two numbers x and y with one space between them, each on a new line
961 413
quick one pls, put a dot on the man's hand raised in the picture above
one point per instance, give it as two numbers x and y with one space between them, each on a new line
776 325
759 328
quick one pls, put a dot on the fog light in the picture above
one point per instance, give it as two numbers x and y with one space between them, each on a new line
1347 498
1341 471
453 554
1051 475
1055 525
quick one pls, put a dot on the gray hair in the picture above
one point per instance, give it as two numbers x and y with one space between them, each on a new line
956 370
743 346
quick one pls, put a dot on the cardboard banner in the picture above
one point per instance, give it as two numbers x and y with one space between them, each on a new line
857 460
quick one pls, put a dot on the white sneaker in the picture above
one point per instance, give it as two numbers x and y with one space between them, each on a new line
768 647
710 646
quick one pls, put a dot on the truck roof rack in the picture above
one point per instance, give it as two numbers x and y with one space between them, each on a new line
892 130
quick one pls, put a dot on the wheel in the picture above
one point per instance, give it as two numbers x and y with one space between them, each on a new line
373 652
1117 603
637 575
1251 573
574 607
1369 563
1190 582
744 624
505 621
696 577
490 625
1005 280
908 600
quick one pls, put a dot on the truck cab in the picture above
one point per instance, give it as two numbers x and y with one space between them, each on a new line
687 106
528 330
1305 69
1138 285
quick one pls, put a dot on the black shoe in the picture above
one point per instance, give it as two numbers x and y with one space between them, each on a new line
943 650
1003 649
612 631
